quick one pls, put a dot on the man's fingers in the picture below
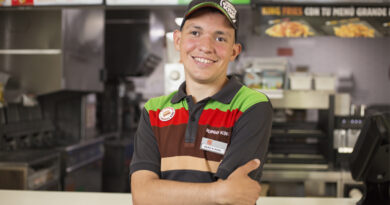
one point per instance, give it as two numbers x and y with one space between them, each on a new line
249 166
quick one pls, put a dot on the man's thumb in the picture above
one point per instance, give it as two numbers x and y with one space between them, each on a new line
250 166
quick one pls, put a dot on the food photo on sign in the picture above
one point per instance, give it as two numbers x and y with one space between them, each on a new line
351 28
5 3
291 29
309 21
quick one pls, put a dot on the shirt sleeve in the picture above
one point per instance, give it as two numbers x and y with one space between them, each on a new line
146 154
249 140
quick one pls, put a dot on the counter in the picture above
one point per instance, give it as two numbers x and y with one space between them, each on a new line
11 197
309 178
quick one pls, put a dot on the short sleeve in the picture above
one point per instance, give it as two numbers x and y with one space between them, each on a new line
250 139
146 154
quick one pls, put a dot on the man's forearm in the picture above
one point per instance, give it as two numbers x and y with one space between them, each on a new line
237 189
158 191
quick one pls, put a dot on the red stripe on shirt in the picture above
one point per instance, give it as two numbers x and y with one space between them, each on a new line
218 118
214 118
180 117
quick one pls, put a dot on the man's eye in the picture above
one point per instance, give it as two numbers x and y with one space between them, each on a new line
221 39
195 33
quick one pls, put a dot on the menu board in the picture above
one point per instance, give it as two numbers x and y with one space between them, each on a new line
161 2
341 21
98 2
232 1
48 2
142 2
67 2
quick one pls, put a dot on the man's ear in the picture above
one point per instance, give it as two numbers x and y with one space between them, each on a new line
237 48
177 39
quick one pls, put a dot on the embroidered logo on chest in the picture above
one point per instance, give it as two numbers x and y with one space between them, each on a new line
217 132
166 114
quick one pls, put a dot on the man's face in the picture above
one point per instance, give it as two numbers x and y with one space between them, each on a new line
206 44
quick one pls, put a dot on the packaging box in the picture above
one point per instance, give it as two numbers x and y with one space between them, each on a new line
324 82
300 81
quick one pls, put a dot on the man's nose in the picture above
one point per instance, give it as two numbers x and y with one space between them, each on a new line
206 44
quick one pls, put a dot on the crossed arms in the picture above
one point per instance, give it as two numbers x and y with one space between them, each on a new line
238 188
233 187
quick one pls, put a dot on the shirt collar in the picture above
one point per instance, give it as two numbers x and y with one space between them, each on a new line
225 95
181 93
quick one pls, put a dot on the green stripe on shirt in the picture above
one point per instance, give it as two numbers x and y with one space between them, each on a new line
164 101
244 99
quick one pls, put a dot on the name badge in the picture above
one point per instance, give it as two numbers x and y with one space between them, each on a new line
213 146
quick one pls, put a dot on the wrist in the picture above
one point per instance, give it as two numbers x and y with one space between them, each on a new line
218 190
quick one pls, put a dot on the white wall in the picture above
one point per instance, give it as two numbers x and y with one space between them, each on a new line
367 59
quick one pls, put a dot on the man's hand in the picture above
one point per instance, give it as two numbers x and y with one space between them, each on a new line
239 188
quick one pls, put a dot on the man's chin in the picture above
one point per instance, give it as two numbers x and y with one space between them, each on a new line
205 80
201 79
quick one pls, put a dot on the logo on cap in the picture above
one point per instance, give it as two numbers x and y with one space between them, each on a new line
229 8
166 114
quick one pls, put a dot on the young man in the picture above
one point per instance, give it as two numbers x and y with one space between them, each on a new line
198 145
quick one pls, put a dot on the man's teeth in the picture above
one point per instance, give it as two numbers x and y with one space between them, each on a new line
202 60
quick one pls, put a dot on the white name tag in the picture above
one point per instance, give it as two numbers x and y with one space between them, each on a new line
213 146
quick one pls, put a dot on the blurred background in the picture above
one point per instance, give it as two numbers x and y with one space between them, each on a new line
74 76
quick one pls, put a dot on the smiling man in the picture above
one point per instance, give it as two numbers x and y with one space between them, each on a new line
203 143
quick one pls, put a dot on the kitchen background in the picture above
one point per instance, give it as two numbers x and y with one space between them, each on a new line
75 78
364 60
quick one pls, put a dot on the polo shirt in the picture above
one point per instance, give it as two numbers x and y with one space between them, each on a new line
173 129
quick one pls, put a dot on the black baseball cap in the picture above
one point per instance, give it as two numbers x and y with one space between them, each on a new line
224 6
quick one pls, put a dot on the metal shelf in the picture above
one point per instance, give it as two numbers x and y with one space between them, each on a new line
272 94
303 99
300 133
83 163
30 51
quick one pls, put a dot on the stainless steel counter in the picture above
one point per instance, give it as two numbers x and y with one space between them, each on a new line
81 198
310 178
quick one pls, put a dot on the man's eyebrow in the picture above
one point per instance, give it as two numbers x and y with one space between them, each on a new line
197 27
218 32
223 33
194 26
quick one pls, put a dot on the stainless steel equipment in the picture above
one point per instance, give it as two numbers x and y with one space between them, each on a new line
309 182
116 162
24 128
81 165
128 46
346 133
294 139
30 170
65 44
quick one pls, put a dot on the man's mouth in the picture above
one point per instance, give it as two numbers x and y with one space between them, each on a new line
203 60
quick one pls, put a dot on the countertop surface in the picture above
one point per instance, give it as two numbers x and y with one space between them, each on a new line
11 197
